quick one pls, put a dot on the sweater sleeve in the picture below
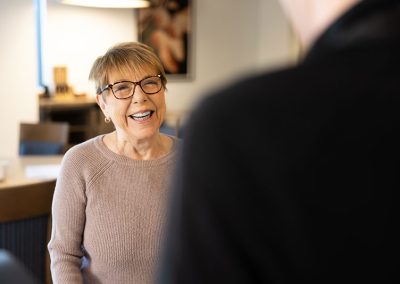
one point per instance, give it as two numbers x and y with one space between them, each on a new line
68 221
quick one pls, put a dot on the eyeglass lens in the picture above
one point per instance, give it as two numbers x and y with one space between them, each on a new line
149 86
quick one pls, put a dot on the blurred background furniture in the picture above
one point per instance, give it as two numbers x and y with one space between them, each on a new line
43 138
83 115
13 271
173 123
25 225
25 206
166 129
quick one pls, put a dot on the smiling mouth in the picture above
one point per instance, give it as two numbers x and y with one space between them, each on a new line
140 116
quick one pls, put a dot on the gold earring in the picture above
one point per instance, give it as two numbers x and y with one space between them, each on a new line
107 119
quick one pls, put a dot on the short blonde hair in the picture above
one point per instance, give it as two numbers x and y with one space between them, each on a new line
125 57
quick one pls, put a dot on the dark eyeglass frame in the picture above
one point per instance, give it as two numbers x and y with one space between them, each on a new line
138 83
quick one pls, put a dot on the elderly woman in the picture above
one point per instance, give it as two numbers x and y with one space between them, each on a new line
109 201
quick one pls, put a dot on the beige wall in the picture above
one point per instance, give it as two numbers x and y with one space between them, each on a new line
230 37
17 71
75 36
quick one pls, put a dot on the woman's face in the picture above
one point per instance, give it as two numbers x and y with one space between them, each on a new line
136 118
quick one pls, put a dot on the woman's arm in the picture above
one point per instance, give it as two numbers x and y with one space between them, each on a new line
68 221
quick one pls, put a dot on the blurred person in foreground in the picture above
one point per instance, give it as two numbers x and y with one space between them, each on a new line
292 176
110 196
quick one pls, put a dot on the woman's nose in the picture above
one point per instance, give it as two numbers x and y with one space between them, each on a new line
139 96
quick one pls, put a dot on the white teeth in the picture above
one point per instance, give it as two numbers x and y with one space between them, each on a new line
141 114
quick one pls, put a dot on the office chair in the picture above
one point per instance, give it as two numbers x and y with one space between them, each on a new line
48 138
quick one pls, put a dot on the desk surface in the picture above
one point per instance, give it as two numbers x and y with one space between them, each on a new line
27 170
24 198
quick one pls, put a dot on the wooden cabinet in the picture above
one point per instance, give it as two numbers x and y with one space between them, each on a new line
82 114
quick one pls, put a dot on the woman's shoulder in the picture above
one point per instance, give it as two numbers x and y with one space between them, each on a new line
85 153
85 148
176 143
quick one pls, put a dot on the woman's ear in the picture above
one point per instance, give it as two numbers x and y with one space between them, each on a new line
102 104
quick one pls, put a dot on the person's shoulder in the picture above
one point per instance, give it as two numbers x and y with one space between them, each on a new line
255 88
84 152
176 143
83 148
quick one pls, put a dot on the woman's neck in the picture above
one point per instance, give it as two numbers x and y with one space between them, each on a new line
144 149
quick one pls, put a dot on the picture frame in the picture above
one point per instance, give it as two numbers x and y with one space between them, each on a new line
166 26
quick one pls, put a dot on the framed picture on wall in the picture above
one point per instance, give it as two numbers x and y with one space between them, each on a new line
166 26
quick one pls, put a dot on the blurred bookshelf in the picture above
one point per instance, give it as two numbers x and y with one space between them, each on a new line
81 113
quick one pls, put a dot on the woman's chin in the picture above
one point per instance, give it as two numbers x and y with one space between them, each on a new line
144 133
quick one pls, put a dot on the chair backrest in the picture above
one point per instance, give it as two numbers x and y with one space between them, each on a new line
48 138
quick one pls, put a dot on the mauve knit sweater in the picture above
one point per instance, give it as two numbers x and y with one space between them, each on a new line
107 216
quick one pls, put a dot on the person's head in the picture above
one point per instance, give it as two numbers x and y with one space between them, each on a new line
136 109
311 17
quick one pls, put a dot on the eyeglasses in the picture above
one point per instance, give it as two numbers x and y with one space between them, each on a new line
125 89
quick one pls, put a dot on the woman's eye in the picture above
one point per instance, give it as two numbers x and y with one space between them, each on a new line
149 82
120 87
